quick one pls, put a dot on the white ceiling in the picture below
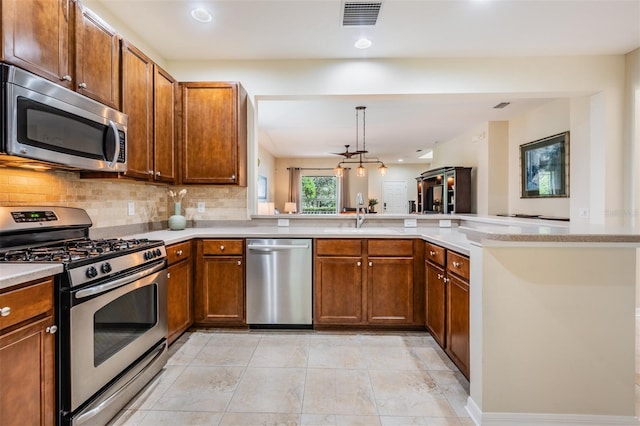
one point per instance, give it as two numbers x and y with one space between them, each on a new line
299 29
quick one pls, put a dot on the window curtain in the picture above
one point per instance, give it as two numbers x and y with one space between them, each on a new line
343 184
295 174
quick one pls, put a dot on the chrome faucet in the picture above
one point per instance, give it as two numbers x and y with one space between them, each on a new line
360 210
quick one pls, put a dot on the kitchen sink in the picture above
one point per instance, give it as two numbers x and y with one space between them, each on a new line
363 231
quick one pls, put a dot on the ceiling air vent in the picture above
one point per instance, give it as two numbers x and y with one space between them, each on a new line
501 105
360 13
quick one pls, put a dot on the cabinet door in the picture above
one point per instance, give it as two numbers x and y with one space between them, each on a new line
212 143
390 291
164 90
137 103
27 381
457 346
220 297
97 58
179 299
35 36
338 294
436 302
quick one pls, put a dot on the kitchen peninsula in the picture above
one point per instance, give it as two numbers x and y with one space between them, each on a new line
579 319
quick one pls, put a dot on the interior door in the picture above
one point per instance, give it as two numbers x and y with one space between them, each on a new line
394 197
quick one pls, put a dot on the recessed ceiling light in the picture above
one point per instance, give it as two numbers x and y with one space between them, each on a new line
400 160
363 43
201 14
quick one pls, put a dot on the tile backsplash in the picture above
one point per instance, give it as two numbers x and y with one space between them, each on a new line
107 201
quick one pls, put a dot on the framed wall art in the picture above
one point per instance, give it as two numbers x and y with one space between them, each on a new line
262 188
544 167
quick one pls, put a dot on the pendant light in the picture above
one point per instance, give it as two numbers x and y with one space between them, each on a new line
361 171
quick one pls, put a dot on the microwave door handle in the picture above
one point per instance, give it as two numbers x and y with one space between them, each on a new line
116 141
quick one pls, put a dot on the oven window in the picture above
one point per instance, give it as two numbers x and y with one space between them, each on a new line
124 320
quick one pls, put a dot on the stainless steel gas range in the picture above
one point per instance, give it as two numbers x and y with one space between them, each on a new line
110 307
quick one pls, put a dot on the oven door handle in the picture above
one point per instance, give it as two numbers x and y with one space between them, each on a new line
81 294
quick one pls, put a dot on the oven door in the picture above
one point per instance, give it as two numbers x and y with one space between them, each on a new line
112 325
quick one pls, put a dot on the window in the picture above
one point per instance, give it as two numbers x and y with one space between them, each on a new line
319 194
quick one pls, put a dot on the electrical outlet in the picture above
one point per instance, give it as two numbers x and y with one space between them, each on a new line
131 208
583 212
283 222
200 206
410 223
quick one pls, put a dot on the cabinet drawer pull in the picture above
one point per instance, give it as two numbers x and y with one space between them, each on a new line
359 263
179 253
370 263
456 264
5 312
66 77
52 329
432 253
221 248
239 262
82 85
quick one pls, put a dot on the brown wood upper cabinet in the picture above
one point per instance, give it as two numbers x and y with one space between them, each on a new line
214 133
148 96
97 58
65 42
35 36
27 358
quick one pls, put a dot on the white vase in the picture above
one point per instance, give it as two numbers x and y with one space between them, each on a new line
177 221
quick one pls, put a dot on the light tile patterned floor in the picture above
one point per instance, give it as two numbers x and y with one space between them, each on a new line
303 378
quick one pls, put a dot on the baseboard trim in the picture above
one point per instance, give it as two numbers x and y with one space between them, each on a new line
535 419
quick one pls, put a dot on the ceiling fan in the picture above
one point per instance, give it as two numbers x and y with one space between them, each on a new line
347 153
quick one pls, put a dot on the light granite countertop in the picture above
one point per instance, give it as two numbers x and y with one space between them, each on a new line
465 230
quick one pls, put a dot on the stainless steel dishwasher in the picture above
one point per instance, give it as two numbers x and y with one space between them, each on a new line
279 277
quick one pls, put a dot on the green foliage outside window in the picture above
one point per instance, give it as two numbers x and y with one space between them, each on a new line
319 195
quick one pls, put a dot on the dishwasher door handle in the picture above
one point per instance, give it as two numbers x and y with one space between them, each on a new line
271 247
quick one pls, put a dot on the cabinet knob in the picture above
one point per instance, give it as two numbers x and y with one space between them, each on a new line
456 264
233 177
150 172
168 274
239 262
52 329
432 253
82 85
157 173
446 280
439 276
5 312
359 263
179 253
66 77
221 248
370 263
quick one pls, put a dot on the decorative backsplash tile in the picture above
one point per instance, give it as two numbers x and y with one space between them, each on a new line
107 201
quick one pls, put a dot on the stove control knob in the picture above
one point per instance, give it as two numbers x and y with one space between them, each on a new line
106 268
92 272
158 252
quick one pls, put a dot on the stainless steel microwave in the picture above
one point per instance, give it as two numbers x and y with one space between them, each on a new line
45 122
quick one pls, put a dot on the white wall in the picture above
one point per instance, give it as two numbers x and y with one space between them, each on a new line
267 168
547 120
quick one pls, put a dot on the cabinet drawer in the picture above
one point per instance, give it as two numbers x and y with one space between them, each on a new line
217 247
26 302
177 252
391 248
345 247
458 265
434 253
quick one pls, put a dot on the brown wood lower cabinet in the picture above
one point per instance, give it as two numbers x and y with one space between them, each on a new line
447 302
220 289
27 359
366 282
179 289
